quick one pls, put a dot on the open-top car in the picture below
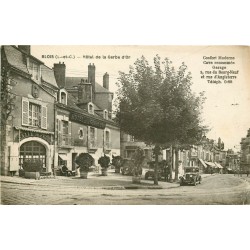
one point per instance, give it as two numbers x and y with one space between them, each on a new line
191 176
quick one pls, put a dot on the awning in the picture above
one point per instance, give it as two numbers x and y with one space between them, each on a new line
203 163
63 157
210 163
218 165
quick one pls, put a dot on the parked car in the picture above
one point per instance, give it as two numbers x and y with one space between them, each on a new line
191 176
127 167
151 173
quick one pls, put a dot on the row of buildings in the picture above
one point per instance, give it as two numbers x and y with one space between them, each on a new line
208 155
55 118
245 152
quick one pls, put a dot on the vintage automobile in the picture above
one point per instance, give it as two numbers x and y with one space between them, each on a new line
151 172
127 167
191 176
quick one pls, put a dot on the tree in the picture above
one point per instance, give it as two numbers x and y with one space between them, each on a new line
156 105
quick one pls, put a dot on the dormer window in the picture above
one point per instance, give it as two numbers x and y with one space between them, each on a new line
91 108
63 96
34 69
105 114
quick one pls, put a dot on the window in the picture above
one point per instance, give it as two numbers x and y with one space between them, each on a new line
131 138
63 96
105 114
34 114
107 139
92 137
81 133
34 69
64 133
91 108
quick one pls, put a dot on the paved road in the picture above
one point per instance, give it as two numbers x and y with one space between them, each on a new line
216 189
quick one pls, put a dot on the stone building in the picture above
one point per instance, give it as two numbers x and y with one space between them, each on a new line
245 152
84 118
30 128
54 119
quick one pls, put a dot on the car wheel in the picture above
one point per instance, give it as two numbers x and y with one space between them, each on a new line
194 182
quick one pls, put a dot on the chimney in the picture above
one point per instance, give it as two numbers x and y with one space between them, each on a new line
84 92
91 77
25 48
60 73
106 81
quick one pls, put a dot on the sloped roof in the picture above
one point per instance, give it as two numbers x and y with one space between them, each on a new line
71 103
48 75
15 58
101 89
74 81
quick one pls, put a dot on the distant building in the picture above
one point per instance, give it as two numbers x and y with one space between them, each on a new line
129 145
245 152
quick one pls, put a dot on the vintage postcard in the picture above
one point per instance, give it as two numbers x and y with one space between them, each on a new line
125 125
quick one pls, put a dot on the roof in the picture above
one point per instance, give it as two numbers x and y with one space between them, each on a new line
72 105
48 75
74 81
15 58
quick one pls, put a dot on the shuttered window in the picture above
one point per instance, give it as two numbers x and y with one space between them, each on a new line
33 115
92 137
25 112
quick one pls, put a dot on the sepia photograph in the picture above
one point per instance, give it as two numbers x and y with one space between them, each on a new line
125 125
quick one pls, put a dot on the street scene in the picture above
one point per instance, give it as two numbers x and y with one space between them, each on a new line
118 190
118 125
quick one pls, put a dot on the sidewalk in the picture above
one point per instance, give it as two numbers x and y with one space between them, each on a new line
94 181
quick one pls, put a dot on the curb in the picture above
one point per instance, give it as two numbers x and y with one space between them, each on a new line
125 187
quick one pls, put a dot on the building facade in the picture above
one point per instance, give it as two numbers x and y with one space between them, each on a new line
30 127
84 118
245 153
54 120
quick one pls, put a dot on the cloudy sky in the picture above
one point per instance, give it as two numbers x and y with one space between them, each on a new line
226 110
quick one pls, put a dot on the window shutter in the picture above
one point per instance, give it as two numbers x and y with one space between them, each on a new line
88 137
25 112
44 117
70 140
110 143
59 131
96 137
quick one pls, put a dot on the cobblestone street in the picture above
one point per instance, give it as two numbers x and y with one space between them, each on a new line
118 189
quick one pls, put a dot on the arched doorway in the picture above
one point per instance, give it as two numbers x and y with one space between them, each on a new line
33 150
